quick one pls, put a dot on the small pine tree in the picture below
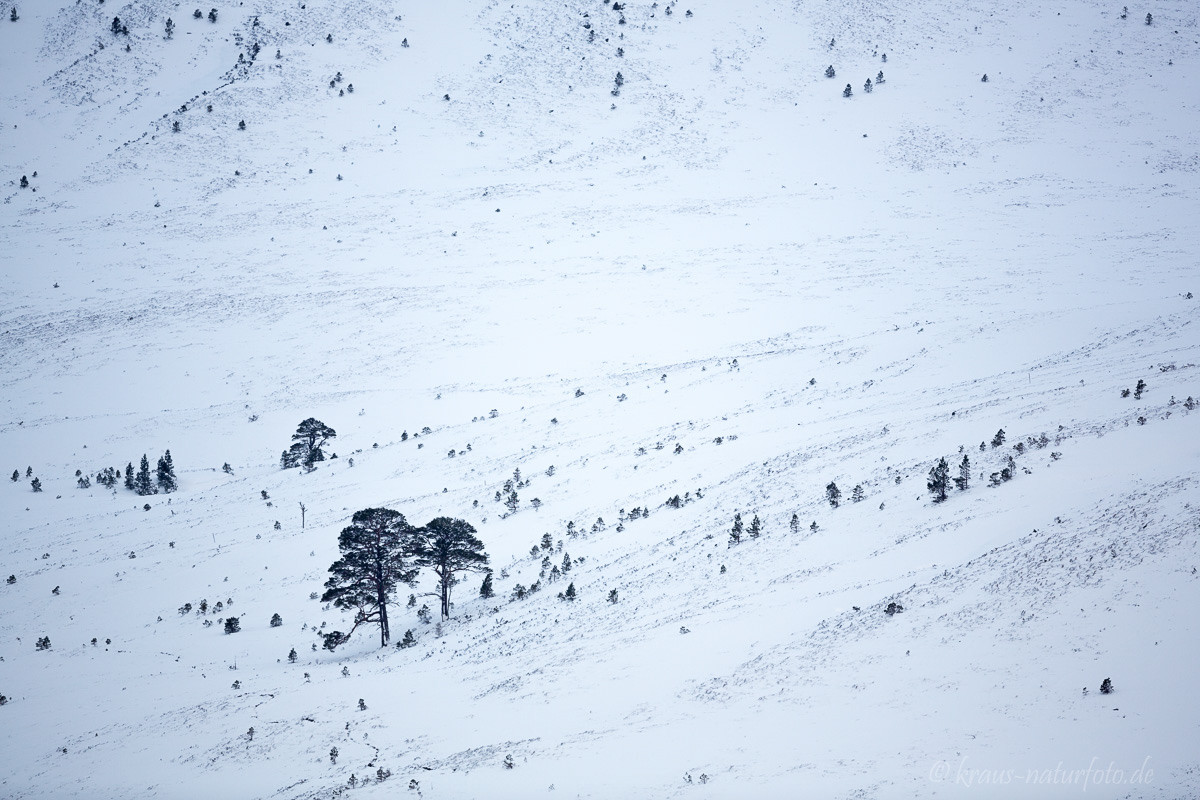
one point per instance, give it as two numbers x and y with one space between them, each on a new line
167 482
292 656
233 625
830 72
212 15
12 17
16 476
939 480
24 182
963 481
485 590
755 529
142 484
857 495
833 494
566 563
847 92
241 125
735 533
795 524
998 439
1137 391
129 476
569 594
408 640
867 87
170 27
1106 686
36 484
276 620
612 596
424 614
333 755
1149 18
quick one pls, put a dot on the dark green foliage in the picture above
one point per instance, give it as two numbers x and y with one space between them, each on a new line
735 533
566 562
333 755
857 494
1141 387
998 439
43 643
212 15
408 641
142 483
424 614
519 592
486 590
197 14
292 656
830 72
569 594
276 620
129 476
16 476
36 484
847 92
1106 686
308 441
167 482
795 524
612 596
233 625
448 546
833 494
755 529
11 580
373 549
939 480
963 480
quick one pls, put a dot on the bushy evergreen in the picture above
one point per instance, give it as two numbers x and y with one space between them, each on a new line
167 482
373 549
939 480
448 546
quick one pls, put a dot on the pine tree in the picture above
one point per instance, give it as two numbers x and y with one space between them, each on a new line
486 591
569 594
857 495
167 481
308 442
963 480
755 529
612 596
735 533
129 476
566 563
847 92
36 484
16 476
408 641
233 625
795 524
292 656
276 620
142 484
998 439
939 480
448 546
833 494
373 549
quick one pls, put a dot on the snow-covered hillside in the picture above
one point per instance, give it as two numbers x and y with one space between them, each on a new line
451 232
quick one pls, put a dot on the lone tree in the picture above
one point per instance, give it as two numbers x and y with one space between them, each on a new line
373 549
448 546
939 480
833 494
307 442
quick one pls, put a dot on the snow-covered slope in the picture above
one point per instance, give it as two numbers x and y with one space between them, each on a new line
723 280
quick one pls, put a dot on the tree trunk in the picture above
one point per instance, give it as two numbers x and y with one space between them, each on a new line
446 578
384 633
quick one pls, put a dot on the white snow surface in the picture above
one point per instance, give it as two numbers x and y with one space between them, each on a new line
727 255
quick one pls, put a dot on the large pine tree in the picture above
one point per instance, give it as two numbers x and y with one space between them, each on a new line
307 442
373 550
448 546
